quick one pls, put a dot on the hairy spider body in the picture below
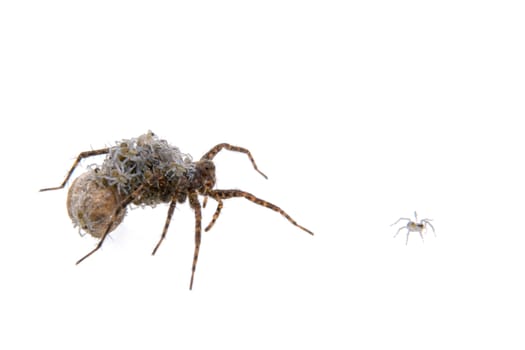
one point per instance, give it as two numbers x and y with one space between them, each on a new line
147 171
415 226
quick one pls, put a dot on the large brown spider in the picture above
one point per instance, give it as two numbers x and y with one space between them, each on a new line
147 171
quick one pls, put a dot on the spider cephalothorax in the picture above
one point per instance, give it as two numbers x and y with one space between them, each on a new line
147 171
204 178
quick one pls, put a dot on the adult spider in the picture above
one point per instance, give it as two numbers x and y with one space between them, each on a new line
147 171
415 226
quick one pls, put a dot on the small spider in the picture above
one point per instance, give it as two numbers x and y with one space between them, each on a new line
147 171
415 226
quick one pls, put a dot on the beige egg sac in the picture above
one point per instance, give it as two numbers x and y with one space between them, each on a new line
92 206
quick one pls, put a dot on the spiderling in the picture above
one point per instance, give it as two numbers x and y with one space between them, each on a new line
419 226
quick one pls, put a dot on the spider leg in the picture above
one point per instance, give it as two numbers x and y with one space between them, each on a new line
399 231
81 156
215 215
408 233
121 206
400 220
421 235
166 225
225 194
194 203
427 221
213 152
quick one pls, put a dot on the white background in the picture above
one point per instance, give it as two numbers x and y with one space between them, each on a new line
358 112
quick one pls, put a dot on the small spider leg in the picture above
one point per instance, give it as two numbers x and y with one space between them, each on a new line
408 234
213 152
415 215
215 215
400 220
121 206
400 230
225 194
166 225
427 222
194 203
421 235
81 156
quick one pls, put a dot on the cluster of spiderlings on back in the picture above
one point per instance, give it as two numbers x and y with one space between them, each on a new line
146 160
